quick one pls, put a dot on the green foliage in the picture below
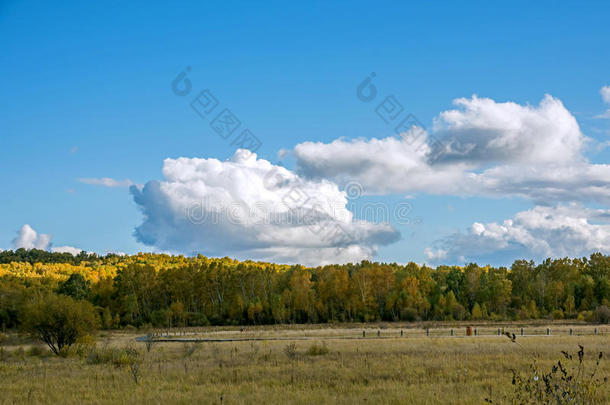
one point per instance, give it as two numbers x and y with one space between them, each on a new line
59 321
76 287
42 256
175 291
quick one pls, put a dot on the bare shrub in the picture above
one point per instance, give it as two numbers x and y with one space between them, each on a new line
569 381
150 341
254 349
290 350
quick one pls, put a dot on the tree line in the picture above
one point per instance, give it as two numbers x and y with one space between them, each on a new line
169 291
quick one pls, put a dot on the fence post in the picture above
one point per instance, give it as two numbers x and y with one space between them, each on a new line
378 333
363 333
548 331
451 332
570 331
428 332
595 331
475 331
401 334
521 331
498 331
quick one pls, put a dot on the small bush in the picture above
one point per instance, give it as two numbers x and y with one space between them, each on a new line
150 341
125 357
98 356
317 349
290 350
118 357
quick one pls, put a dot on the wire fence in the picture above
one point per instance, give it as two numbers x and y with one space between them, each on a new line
244 334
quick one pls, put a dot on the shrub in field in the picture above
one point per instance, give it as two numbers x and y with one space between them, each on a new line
290 350
569 381
317 349
59 321
115 356
126 357
131 359
150 341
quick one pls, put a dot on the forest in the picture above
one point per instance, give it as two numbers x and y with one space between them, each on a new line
174 291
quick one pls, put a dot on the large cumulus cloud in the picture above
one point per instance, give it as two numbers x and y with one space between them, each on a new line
481 148
249 208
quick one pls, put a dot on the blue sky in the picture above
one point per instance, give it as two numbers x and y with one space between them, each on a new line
87 95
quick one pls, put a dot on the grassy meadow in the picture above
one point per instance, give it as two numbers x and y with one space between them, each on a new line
334 365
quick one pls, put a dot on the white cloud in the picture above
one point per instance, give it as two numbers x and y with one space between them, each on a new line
28 238
566 230
435 254
605 92
487 149
107 182
482 130
66 249
388 165
248 208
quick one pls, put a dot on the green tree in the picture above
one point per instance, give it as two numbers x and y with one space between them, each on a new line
59 320
76 287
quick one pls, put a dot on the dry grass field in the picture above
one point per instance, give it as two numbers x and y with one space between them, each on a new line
325 368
